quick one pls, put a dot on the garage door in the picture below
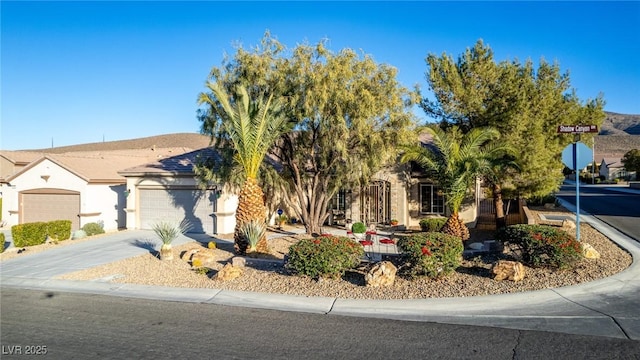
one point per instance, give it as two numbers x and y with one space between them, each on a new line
42 206
193 206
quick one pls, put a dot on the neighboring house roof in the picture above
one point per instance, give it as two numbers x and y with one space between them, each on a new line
177 140
181 164
102 166
20 157
613 162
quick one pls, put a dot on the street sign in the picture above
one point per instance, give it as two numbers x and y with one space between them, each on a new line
584 155
577 129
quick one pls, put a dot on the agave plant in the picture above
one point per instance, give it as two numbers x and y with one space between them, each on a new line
253 231
167 232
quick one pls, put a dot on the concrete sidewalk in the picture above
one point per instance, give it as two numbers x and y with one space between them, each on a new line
607 307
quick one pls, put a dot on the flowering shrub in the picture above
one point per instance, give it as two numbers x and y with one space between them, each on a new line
543 245
431 254
327 256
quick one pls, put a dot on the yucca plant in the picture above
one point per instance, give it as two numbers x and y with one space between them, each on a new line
252 231
167 232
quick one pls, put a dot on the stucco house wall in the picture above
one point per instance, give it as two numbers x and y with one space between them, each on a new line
97 202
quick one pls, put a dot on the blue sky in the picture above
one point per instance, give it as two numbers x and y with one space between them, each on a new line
80 72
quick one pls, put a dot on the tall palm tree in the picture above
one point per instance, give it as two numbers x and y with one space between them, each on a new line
251 127
455 160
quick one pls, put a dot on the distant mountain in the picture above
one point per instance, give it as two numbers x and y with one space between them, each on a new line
620 124
185 140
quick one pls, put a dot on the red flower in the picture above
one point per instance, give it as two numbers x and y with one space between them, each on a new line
425 251
316 241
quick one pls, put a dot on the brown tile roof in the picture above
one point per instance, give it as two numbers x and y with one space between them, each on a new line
103 166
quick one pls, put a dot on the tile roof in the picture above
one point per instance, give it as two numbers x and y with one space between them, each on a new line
103 166
181 164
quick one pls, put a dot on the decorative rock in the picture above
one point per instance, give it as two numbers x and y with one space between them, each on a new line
228 272
589 252
238 261
511 270
204 257
568 225
549 205
381 274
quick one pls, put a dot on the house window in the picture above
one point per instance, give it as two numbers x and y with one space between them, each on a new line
431 199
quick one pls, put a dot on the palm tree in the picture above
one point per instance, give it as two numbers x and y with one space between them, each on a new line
250 127
455 160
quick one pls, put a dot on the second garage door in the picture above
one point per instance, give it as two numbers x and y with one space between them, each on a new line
194 207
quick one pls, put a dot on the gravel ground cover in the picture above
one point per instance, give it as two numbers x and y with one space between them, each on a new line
473 278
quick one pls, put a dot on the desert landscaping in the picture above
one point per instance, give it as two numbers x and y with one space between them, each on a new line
473 278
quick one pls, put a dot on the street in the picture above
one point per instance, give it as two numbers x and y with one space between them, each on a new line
618 209
77 326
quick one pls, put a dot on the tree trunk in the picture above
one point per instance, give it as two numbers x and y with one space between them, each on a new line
250 207
501 220
456 227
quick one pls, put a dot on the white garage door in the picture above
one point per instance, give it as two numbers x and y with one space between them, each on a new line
192 206
42 206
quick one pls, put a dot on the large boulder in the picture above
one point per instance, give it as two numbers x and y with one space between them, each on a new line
510 270
381 274
228 272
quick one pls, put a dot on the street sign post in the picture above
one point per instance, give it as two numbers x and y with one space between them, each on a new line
576 156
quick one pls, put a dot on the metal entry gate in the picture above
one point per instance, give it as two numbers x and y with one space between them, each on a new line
375 203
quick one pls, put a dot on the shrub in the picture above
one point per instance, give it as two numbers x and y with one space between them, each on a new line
167 231
358 228
326 256
29 234
59 229
93 229
1 243
78 234
542 245
541 200
253 231
431 254
432 224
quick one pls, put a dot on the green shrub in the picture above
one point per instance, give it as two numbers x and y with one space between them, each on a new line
78 234
29 234
432 224
324 256
2 240
431 254
93 229
358 228
253 231
59 229
542 245
541 200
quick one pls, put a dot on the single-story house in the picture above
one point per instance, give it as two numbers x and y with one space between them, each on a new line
612 168
136 188
82 187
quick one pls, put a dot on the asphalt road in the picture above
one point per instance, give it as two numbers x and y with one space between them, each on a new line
618 209
78 326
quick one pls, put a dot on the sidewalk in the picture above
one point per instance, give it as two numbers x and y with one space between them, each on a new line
607 307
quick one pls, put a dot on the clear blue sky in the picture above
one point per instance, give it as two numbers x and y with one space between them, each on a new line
79 72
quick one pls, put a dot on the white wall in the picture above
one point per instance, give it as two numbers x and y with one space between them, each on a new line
49 175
